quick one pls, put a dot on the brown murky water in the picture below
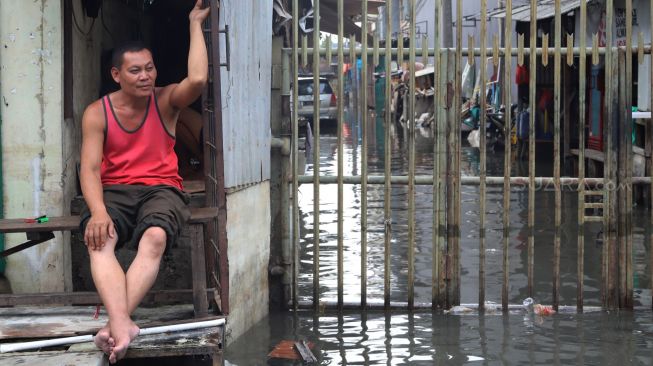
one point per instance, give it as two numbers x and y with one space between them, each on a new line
402 338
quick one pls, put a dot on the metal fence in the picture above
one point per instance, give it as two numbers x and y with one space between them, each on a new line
612 193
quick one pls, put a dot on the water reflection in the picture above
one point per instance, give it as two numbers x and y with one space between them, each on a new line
426 339
402 338
470 160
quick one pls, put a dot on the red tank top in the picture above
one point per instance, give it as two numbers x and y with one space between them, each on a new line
142 156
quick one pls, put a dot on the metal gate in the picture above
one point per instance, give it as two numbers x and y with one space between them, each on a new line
610 195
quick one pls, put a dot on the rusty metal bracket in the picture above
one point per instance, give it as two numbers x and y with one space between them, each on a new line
34 238
225 31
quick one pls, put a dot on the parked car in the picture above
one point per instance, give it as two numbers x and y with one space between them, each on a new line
328 100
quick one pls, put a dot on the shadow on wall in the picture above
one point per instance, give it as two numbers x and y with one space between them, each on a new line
5 287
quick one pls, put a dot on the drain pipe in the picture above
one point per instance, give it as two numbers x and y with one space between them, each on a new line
2 206
282 144
23 346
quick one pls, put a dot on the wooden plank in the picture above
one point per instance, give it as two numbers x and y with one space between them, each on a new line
195 342
50 326
91 298
71 223
43 322
194 186
94 358
200 300
63 223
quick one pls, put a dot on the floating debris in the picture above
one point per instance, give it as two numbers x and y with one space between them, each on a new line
537 309
294 350
460 310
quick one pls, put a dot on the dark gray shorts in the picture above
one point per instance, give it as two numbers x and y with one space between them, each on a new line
135 208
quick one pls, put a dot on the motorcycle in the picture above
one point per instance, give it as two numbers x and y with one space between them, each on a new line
495 127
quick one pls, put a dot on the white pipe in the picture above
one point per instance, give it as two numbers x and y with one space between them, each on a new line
12 347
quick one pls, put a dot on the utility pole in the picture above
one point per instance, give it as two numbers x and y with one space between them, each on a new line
447 25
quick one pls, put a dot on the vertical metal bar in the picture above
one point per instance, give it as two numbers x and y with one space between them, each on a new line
640 48
198 256
437 167
557 60
316 155
425 50
295 157
447 161
650 137
68 86
450 175
354 91
483 162
341 121
364 158
304 51
610 265
520 48
375 56
456 126
582 82
470 49
545 49
329 52
621 149
507 158
316 71
387 213
629 156
531 148
411 160
400 39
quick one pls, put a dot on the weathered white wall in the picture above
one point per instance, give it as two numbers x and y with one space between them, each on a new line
248 234
246 91
31 73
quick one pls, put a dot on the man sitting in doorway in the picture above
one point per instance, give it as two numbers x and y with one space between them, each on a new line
130 181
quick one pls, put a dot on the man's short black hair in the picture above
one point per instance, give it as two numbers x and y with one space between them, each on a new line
131 46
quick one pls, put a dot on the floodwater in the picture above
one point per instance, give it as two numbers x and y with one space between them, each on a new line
425 338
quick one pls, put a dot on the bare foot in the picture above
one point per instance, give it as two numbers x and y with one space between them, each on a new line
123 334
103 339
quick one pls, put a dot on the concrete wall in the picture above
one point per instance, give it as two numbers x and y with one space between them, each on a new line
31 73
246 128
248 233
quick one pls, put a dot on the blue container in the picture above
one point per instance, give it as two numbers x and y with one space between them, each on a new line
523 121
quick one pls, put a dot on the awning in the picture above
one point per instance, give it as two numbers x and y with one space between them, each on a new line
545 9
329 16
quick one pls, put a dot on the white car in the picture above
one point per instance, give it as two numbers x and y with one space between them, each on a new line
328 100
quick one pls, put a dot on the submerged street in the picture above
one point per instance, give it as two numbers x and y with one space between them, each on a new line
423 337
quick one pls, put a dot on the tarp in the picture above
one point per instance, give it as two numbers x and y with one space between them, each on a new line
545 9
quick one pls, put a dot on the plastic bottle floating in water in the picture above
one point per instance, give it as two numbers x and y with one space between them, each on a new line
538 309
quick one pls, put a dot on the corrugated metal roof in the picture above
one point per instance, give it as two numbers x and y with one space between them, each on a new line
545 9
